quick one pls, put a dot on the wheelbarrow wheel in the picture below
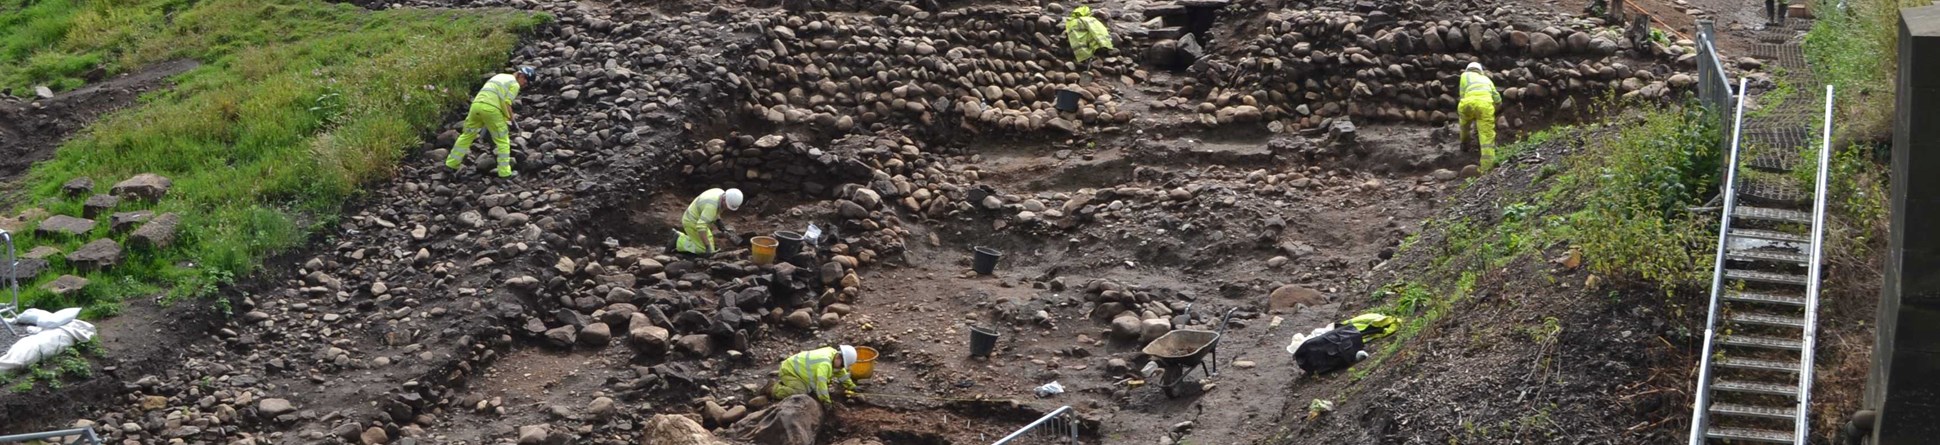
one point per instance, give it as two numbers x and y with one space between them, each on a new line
1169 379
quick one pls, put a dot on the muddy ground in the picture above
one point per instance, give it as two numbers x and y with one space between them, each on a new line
450 307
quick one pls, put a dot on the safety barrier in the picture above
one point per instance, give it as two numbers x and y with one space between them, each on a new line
67 436
1061 425
1714 86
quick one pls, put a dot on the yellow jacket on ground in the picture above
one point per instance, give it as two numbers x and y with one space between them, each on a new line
1373 325
1086 34
810 372
695 235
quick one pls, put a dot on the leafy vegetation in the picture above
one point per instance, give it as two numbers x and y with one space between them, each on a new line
53 372
1620 204
296 104
1856 50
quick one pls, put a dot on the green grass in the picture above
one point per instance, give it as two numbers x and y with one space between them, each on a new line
1621 200
1857 52
297 103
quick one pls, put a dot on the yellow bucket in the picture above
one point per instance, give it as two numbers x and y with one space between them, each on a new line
764 249
865 363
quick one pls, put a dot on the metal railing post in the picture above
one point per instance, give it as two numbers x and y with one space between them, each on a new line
1055 416
1698 407
1812 280
82 435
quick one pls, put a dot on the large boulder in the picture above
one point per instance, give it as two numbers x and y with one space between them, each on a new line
99 204
25 269
97 255
146 186
158 233
1293 296
792 421
64 225
648 339
669 429
1543 45
66 284
1126 327
78 186
124 221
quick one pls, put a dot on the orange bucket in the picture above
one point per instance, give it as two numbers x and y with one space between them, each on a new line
865 363
764 249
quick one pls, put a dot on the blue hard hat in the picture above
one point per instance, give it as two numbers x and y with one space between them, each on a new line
529 73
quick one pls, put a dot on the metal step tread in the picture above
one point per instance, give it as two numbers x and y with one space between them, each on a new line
1786 413
1764 277
1755 388
1772 235
1776 189
1750 434
1760 341
1764 297
1775 256
1786 321
1772 214
1764 365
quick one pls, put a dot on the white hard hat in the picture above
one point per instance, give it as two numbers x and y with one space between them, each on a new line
848 356
733 198
1475 66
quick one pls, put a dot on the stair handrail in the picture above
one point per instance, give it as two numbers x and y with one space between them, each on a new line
1698 407
1803 420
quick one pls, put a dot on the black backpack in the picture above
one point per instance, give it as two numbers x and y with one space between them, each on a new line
1332 351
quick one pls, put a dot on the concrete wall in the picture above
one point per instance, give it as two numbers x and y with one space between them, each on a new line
1905 383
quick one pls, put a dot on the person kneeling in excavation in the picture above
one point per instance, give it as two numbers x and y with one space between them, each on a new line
811 372
703 216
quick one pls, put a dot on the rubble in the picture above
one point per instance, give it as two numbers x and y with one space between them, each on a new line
854 122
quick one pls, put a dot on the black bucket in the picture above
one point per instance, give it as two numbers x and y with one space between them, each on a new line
791 244
1067 101
982 342
986 260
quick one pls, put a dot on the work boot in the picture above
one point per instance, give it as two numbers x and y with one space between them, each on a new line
507 173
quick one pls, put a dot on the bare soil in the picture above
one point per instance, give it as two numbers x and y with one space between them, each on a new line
31 130
447 357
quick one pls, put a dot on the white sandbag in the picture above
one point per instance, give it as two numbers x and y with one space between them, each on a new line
45 319
46 344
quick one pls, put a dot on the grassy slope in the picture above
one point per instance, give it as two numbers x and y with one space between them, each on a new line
298 102
1617 198
1620 202
1857 52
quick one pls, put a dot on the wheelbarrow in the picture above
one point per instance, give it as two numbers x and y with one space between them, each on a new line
1181 351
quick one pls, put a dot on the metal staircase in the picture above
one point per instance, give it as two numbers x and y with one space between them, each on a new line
1755 377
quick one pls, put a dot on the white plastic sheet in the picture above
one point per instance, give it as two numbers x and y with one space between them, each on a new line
46 344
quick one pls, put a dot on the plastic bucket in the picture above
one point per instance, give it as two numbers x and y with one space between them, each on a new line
791 244
986 260
982 342
1067 100
865 363
764 249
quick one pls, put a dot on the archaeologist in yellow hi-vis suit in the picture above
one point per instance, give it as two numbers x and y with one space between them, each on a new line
1479 99
810 372
490 113
702 217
